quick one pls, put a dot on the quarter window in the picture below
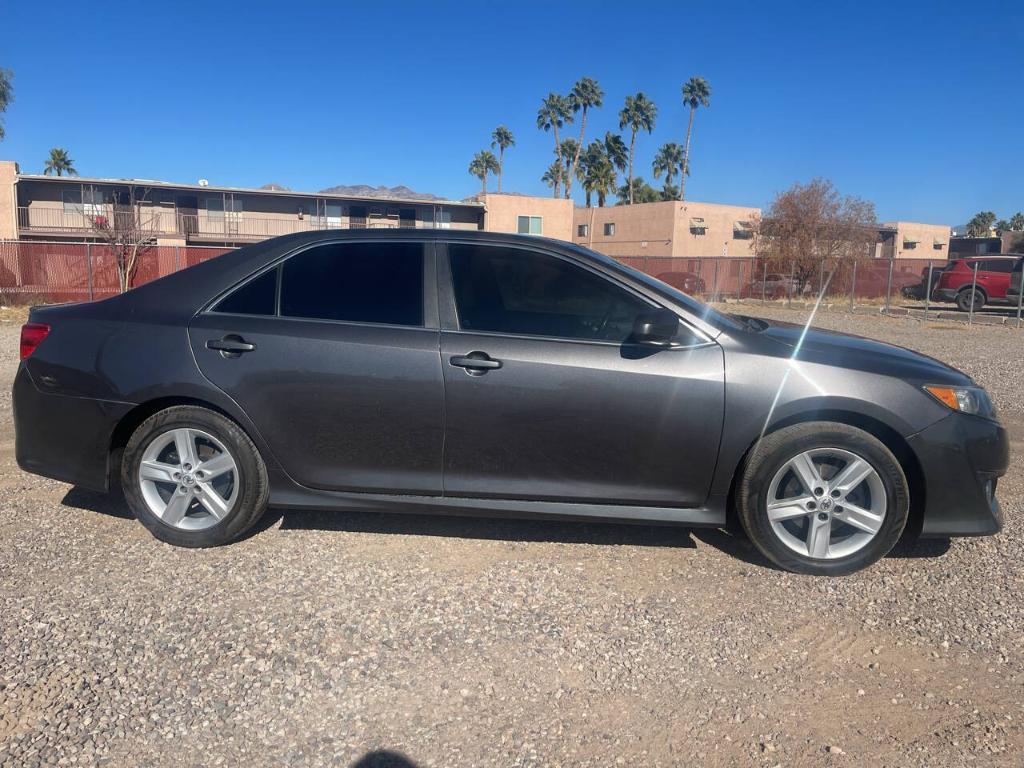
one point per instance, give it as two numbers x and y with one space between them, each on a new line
257 297
530 225
355 282
516 291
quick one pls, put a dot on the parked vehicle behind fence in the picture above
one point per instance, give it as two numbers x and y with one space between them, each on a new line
929 280
687 282
1013 292
958 284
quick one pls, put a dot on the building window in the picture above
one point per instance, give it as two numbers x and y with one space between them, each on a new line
938 245
530 225
582 230
909 245
609 229
742 230
87 200
216 206
436 219
697 226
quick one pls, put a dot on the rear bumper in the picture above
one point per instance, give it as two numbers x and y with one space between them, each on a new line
62 437
961 458
944 294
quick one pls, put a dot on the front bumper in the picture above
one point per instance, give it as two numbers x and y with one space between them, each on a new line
961 457
63 437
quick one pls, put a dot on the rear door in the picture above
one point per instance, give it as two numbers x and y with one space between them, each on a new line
546 401
333 354
995 276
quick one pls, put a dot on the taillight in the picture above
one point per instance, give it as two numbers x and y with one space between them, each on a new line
32 335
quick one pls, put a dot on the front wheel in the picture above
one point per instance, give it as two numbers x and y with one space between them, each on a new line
822 498
193 477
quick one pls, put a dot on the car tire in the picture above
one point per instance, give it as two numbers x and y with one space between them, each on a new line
194 507
963 300
769 468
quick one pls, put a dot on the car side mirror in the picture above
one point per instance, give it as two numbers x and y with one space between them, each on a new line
656 328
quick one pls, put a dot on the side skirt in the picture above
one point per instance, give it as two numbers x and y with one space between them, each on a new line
711 515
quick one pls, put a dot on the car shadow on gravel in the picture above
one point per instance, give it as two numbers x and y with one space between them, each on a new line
384 758
92 501
503 529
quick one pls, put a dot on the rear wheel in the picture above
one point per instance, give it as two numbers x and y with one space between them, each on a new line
193 477
966 298
823 498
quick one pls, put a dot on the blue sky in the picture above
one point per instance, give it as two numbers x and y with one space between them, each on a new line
915 106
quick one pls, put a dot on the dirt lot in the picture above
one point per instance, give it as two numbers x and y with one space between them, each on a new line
326 640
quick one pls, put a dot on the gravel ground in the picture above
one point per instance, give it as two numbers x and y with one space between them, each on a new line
416 641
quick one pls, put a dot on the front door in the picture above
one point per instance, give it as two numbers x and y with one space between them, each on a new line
333 354
546 401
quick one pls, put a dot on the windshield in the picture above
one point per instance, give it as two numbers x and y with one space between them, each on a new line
698 308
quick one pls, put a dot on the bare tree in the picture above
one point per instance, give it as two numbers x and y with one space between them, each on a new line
811 223
129 231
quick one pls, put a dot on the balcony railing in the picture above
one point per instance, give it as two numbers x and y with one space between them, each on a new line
90 219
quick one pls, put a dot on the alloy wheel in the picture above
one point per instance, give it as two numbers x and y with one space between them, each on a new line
826 503
188 479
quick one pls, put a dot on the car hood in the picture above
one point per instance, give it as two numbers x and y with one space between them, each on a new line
858 353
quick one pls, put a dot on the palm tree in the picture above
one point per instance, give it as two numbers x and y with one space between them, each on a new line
568 150
639 190
638 114
1017 222
502 139
617 151
596 172
553 177
696 93
583 96
555 111
668 160
6 93
484 162
59 163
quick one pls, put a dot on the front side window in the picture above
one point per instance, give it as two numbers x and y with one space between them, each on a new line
355 282
530 225
521 292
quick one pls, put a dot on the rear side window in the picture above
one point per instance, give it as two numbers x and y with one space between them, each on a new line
521 292
355 282
257 297
998 265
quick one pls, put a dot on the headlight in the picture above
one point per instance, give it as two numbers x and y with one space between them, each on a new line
973 400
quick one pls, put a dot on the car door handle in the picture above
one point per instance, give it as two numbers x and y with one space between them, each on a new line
475 363
231 345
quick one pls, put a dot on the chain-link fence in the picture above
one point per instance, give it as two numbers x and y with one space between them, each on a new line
41 272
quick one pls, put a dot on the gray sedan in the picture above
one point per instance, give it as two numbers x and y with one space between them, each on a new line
468 372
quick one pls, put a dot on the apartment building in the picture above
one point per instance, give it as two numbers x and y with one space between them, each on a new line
669 228
34 207
694 229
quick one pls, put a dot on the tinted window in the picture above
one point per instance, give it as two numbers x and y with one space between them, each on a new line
998 265
356 282
257 297
510 290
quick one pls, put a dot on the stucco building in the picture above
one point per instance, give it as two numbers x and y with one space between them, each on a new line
34 207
